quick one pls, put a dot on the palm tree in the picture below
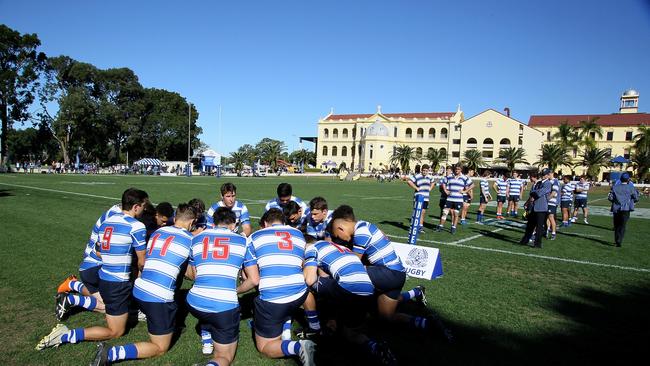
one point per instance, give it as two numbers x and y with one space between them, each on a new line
553 156
436 157
402 156
566 135
238 159
512 156
473 159
641 159
588 130
594 158
642 139
271 152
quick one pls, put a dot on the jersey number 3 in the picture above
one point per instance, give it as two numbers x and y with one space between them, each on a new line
285 242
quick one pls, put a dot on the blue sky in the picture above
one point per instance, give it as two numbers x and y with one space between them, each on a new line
276 67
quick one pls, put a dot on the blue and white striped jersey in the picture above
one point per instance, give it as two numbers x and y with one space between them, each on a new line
119 235
279 252
167 251
485 186
555 187
567 191
368 240
275 203
423 182
502 187
455 185
218 255
317 229
515 186
343 265
442 182
240 210
584 187
90 259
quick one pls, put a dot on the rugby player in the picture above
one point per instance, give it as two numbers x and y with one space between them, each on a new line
421 184
229 200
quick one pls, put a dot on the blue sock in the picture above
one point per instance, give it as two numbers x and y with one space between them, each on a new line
73 336
312 318
290 348
206 337
77 286
125 352
286 330
372 346
408 295
86 302
419 322
212 363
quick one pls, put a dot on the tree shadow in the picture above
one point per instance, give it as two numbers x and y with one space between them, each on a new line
6 193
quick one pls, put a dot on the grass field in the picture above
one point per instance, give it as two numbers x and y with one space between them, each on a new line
578 300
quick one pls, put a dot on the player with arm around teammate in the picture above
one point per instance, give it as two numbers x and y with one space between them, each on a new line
167 251
274 261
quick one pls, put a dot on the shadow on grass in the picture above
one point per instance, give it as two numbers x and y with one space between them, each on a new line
6 193
397 224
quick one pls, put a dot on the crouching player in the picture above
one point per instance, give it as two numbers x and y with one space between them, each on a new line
344 287
121 234
319 218
167 252
274 260
216 258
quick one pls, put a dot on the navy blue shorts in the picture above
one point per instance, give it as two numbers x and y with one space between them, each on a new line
90 278
161 316
270 317
565 204
386 280
223 326
454 205
501 199
467 199
483 199
513 198
552 209
580 203
349 308
442 203
425 204
116 296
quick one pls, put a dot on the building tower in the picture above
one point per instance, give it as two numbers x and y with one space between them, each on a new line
629 102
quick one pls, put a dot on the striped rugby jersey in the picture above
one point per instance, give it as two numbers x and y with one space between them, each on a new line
515 186
567 191
585 188
455 185
343 265
119 235
240 210
368 240
218 255
555 187
423 182
442 182
485 186
317 230
275 203
502 187
167 251
279 252
90 259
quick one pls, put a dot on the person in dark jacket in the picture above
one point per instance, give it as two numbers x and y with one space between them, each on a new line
537 207
622 196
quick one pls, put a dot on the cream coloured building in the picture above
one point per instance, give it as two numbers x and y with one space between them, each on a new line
367 141
618 129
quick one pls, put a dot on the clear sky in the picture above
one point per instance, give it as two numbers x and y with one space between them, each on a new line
276 67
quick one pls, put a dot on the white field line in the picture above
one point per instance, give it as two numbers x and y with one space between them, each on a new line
457 243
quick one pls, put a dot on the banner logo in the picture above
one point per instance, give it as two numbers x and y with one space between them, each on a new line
417 258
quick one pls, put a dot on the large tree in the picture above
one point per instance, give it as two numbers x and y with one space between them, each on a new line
473 159
270 151
436 157
512 156
588 131
642 139
566 135
402 156
553 156
641 160
594 158
20 67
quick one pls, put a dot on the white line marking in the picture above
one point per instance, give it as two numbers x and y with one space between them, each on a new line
58 191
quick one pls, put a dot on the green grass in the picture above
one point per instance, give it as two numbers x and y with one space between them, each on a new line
503 308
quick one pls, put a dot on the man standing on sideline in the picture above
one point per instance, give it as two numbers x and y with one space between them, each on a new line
622 196
538 209
421 183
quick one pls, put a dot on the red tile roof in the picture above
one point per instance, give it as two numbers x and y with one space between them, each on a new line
338 117
605 120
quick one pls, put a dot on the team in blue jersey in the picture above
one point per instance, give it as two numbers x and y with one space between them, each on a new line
229 200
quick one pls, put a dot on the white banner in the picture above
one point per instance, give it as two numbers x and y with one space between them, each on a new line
419 261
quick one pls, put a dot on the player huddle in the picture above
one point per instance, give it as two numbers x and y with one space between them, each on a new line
332 265
456 195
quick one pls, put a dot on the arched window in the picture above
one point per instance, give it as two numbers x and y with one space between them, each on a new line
418 152
345 133
344 151
488 141
443 134
505 142
471 141
432 133
420 133
443 152
409 133
326 133
335 134
334 150
429 151
325 149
